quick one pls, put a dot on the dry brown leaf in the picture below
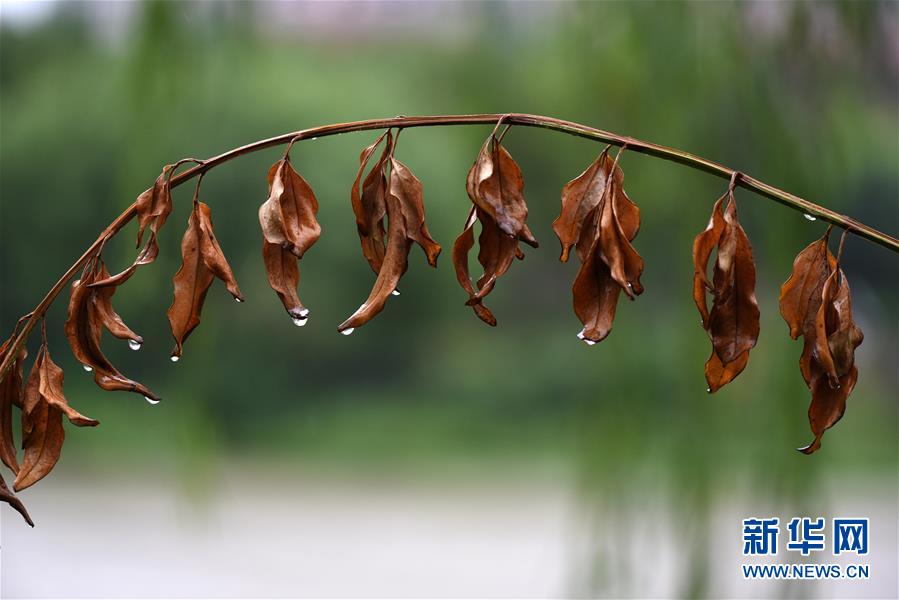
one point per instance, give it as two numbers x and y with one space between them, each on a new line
42 409
816 303
734 317
289 229
11 390
733 321
202 261
703 245
369 202
288 216
153 207
88 314
392 269
599 219
496 186
496 189
6 495
284 276
389 191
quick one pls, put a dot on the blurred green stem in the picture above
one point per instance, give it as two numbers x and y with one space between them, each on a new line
569 127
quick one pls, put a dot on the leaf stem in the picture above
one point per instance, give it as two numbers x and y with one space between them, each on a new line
527 120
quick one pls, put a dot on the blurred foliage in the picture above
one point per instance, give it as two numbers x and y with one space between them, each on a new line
799 95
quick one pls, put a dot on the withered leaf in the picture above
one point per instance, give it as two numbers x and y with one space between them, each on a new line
289 229
202 261
392 268
595 297
703 245
816 303
10 395
832 369
288 216
405 187
369 202
284 276
496 186
6 495
734 318
496 189
462 246
389 191
733 321
90 311
42 409
718 374
153 207
800 295
580 197
601 221
155 204
107 314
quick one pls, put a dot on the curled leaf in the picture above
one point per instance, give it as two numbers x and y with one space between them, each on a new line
153 207
733 321
10 395
800 295
202 261
496 186
90 311
107 314
288 216
369 202
832 369
284 276
407 189
392 268
461 247
289 229
599 219
6 495
734 318
580 197
496 189
718 374
42 409
703 245
155 204
389 191
816 303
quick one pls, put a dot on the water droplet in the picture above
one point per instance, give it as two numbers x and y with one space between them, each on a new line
348 331
708 390
134 344
395 292
589 342
151 400
88 368
175 358
313 139
238 300
300 322
810 217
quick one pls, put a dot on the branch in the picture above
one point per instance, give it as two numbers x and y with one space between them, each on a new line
569 127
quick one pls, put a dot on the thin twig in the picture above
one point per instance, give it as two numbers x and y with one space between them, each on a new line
569 127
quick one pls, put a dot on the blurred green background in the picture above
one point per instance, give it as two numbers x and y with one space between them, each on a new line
96 97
